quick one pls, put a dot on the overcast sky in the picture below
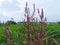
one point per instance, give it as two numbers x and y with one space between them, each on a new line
15 9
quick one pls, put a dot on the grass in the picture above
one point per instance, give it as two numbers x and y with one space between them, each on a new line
18 31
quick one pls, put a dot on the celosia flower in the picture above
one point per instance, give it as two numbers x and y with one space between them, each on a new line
33 11
43 23
8 30
38 11
28 18
37 33
45 19
26 4
42 14
26 9
8 41
34 7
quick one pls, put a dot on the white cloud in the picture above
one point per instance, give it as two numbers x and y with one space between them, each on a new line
10 1
17 14
21 4
50 8
1 1
4 13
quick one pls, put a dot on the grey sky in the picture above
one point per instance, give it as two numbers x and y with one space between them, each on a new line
15 9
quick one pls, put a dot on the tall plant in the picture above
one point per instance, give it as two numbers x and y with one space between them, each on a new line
39 35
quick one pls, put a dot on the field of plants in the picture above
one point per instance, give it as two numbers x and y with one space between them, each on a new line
18 36
30 32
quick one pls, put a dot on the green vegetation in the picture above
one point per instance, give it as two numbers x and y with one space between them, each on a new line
18 31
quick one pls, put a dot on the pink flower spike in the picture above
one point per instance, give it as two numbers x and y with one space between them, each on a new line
8 30
38 11
45 19
34 7
28 18
42 14
38 33
26 4
8 41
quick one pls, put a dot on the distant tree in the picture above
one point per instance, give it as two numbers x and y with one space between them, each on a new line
0 21
10 22
12 19
59 23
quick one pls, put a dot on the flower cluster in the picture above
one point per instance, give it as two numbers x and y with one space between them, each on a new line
8 34
39 34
